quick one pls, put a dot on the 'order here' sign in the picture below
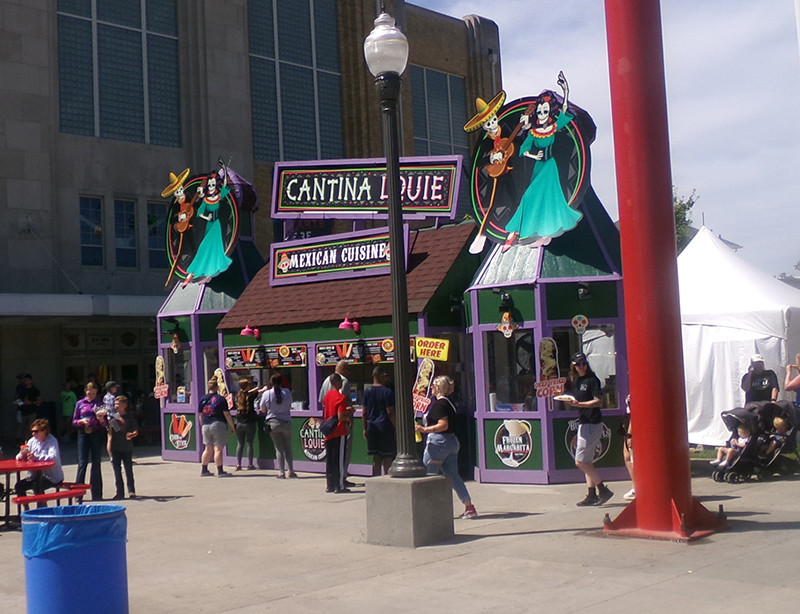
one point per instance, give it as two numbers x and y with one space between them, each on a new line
435 349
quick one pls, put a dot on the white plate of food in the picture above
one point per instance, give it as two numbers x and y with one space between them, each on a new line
564 397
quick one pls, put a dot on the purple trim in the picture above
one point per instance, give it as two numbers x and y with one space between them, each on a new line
366 163
337 238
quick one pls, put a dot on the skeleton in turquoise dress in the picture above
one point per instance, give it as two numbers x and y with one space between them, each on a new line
210 259
543 211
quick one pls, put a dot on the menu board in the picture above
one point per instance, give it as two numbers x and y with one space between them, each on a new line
358 352
267 357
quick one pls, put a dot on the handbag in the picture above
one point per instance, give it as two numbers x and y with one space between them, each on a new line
327 426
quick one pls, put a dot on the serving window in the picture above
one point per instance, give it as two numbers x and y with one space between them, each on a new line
599 344
510 371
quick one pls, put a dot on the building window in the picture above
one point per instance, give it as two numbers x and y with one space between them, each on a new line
439 107
295 80
118 70
91 231
125 233
156 235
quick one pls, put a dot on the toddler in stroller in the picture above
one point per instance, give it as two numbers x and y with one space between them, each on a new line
780 423
737 459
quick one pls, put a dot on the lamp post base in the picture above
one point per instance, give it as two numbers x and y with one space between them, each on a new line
407 466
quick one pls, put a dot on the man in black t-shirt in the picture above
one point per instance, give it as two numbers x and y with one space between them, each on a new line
587 397
759 384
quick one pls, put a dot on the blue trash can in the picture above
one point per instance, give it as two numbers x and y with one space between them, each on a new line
75 559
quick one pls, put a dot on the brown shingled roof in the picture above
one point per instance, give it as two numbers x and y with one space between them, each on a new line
433 252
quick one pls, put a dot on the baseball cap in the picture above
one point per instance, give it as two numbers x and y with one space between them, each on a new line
757 358
578 357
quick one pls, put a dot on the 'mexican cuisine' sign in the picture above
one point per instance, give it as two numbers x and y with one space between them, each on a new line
358 188
355 254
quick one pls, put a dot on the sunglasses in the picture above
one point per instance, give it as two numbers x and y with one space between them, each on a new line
581 364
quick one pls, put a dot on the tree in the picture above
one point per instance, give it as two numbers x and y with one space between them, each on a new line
683 217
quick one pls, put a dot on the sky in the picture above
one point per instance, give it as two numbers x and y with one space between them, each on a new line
733 96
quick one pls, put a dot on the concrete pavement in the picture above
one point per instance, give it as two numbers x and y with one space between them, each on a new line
252 543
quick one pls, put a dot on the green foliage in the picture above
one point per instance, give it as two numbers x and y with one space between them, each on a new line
683 217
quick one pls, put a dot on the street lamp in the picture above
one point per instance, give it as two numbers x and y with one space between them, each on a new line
386 53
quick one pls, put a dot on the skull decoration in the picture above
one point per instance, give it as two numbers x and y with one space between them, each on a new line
579 323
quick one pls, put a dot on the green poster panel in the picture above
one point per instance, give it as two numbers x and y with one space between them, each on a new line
513 444
610 452
181 431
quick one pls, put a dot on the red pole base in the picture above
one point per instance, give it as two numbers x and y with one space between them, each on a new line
685 528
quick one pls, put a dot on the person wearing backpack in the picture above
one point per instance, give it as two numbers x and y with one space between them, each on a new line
246 419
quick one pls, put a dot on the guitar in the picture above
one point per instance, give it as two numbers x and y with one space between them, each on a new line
506 147
185 214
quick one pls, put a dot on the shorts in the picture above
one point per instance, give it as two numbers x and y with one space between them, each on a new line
588 437
381 443
215 434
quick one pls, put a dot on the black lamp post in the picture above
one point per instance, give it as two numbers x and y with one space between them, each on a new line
386 53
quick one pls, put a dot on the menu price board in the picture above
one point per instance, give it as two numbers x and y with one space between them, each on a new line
359 352
267 357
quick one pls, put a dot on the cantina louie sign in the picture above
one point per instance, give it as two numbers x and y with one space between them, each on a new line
358 188
355 254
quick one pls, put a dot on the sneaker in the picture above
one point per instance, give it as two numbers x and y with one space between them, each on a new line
588 500
132 495
349 484
251 467
469 512
340 491
281 476
117 497
714 462
224 474
238 468
205 473
630 495
603 495
292 474
722 465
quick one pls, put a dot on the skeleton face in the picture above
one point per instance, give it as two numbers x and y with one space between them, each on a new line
543 112
212 185
491 125
179 193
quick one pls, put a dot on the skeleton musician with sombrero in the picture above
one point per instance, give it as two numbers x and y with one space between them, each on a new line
185 211
553 163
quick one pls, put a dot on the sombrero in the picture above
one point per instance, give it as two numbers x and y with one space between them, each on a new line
485 111
174 183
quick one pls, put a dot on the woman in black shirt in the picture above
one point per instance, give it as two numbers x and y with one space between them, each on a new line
441 449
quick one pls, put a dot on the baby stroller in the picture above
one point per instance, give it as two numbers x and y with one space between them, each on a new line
777 461
745 465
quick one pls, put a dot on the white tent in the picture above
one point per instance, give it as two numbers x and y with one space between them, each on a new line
729 311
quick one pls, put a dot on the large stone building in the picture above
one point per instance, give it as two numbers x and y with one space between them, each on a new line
100 99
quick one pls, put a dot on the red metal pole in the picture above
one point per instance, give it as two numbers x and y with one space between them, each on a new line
664 506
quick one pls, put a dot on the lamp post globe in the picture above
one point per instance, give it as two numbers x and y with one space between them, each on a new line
386 47
386 54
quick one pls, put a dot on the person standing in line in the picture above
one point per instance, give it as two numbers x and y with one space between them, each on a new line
792 384
334 404
442 445
759 384
42 446
90 421
585 389
276 404
214 412
342 368
123 428
379 422
68 401
246 422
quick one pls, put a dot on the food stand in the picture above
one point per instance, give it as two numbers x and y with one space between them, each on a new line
531 309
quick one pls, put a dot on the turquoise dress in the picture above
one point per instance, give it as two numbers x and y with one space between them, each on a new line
210 259
543 211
